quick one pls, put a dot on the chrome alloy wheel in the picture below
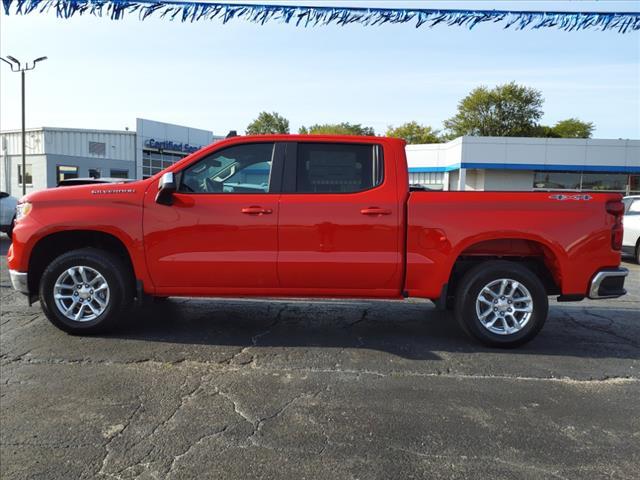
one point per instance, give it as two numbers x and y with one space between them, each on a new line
504 306
81 293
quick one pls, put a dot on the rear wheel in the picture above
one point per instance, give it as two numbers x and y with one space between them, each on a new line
638 252
501 304
85 291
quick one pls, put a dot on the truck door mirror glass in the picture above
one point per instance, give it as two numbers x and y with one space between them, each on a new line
166 189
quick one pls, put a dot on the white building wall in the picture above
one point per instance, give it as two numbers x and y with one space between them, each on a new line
475 180
508 180
11 142
551 152
9 174
119 145
437 155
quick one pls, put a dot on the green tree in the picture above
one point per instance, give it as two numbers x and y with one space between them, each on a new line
573 128
413 132
344 128
268 123
509 110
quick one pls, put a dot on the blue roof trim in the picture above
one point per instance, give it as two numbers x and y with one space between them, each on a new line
448 168
530 166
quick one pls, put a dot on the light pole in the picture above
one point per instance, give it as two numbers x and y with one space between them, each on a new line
17 67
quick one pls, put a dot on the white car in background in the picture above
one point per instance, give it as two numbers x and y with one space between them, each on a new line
631 223
7 212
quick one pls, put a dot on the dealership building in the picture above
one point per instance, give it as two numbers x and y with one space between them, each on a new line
527 164
466 163
54 154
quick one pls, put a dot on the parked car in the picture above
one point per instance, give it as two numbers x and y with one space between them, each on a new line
7 213
631 220
314 216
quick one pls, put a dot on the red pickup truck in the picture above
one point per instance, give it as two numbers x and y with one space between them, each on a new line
313 216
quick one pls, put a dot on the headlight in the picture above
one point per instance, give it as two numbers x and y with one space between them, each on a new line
22 210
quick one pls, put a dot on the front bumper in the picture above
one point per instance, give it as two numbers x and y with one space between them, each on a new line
19 281
608 283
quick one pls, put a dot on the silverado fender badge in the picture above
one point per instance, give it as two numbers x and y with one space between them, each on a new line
570 197
110 191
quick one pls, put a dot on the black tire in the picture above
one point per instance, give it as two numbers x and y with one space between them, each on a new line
114 272
637 259
482 275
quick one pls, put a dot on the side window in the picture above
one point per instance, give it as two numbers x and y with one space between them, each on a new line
238 169
338 168
634 207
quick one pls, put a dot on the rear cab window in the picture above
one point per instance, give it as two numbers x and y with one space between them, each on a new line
338 168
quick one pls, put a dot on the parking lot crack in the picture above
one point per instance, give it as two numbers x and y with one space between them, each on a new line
602 329
194 445
107 445
362 318
254 341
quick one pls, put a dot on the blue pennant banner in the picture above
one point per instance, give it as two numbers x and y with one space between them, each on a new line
305 16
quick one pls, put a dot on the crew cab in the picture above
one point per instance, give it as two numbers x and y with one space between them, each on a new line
314 216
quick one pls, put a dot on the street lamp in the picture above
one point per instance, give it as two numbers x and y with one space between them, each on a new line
16 66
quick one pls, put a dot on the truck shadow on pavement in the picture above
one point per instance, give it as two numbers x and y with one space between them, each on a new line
413 331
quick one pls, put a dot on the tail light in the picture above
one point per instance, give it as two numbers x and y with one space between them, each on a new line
616 208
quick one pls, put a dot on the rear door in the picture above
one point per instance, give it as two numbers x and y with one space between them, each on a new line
340 220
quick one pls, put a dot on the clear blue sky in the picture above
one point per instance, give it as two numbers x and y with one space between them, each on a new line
104 74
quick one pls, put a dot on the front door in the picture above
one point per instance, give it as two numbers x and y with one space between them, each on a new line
220 234
340 219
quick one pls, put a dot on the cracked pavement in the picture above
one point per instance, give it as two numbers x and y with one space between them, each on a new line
195 388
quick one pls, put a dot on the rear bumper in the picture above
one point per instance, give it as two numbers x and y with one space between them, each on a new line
19 281
608 283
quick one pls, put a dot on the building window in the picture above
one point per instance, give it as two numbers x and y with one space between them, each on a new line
609 182
557 180
97 148
583 181
65 172
28 175
634 185
426 178
155 161
94 172
117 173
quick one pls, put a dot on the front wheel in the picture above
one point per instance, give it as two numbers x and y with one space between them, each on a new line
501 304
85 291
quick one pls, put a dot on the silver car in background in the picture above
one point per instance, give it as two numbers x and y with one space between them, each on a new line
7 212
631 223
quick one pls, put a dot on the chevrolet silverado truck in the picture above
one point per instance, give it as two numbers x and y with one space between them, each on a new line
313 216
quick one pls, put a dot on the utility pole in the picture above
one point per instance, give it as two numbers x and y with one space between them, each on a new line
16 66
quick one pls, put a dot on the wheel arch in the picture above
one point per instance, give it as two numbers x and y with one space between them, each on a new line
537 254
55 244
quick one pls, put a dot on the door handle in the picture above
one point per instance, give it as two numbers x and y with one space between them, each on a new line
375 211
255 210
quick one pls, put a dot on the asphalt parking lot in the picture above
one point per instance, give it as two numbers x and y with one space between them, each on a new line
239 389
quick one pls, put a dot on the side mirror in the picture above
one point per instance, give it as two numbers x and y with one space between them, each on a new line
166 189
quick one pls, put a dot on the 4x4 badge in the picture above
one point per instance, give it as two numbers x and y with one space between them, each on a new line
563 196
